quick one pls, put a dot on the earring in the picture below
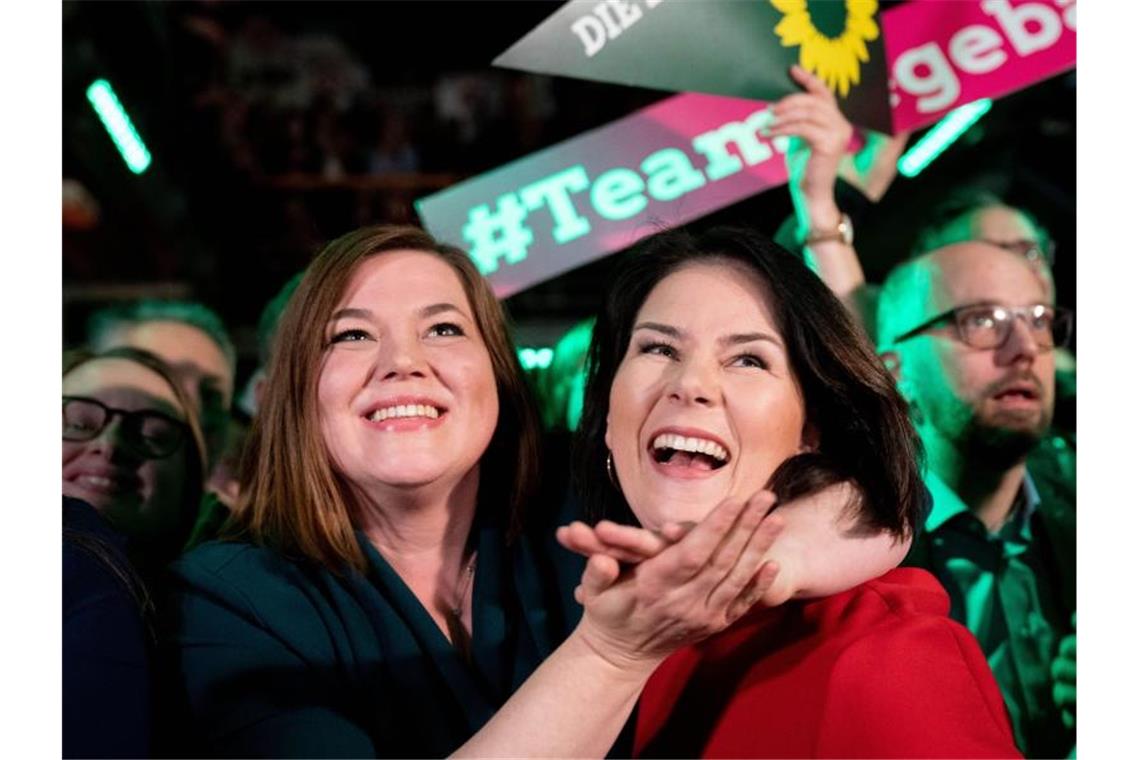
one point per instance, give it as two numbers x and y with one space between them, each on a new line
610 469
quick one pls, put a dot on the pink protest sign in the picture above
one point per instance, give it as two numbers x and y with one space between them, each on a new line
942 55
600 192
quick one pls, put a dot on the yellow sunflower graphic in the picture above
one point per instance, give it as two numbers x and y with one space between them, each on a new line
835 60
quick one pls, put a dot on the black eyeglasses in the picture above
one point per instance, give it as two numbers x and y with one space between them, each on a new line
150 434
989 325
1030 249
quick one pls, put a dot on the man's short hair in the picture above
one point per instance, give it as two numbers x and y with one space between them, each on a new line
959 203
104 322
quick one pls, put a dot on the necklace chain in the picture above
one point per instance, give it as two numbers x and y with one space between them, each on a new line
464 584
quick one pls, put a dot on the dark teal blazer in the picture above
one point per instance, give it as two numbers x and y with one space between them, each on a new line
268 656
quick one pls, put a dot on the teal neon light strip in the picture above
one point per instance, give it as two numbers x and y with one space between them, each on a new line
536 358
941 136
118 125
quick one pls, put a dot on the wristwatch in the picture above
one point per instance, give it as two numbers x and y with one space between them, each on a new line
844 232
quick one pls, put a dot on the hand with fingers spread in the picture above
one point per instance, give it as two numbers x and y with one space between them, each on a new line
678 590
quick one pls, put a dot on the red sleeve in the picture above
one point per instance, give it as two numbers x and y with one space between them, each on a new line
920 688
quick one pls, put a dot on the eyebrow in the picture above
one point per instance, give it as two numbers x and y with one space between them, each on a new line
439 308
427 311
737 338
350 312
734 339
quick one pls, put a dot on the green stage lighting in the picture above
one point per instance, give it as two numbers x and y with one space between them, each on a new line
118 125
535 358
941 135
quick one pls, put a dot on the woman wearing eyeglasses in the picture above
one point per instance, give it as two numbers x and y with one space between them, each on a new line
132 478
132 449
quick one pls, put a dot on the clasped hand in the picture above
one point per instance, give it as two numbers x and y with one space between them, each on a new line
646 594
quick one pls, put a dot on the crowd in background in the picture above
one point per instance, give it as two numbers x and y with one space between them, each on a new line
171 445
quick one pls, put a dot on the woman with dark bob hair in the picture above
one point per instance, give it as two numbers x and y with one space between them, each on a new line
378 593
720 364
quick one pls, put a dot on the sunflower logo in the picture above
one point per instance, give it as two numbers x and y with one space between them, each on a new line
834 59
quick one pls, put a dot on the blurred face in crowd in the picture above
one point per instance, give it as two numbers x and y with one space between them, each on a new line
133 470
407 396
200 366
704 404
989 401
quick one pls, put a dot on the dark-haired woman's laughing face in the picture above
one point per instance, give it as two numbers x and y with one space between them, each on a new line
704 404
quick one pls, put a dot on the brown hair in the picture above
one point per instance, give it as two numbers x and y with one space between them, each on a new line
865 434
292 497
195 454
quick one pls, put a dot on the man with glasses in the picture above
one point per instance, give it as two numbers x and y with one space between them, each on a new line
970 332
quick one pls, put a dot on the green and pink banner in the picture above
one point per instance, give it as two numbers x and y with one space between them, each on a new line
692 153
602 191
945 54
890 70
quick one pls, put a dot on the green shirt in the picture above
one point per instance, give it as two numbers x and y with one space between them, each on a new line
1004 591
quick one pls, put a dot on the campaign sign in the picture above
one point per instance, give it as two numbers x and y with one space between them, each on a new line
721 47
940 54
600 192
943 55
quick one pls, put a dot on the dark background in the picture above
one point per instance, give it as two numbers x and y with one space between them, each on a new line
256 162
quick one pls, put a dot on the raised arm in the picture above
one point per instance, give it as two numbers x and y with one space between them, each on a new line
816 157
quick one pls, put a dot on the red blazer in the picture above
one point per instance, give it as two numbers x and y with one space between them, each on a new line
876 671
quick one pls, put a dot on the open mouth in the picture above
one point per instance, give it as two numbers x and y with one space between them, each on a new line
686 451
1017 393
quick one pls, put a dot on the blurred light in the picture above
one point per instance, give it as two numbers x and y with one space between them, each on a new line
941 135
535 358
118 125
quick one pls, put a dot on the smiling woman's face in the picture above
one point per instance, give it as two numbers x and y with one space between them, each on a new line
407 395
140 496
704 404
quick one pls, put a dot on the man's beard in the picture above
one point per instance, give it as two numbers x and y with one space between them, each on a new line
998 438
1006 438
999 445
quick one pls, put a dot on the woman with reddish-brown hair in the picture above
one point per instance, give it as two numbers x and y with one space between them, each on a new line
378 591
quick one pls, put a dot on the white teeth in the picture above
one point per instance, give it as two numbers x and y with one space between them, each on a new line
695 445
404 410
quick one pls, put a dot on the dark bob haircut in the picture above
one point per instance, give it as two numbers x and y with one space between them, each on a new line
864 432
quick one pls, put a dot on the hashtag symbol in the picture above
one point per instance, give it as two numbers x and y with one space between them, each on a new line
498 234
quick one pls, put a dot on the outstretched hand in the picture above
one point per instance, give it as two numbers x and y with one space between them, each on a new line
677 587
816 551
